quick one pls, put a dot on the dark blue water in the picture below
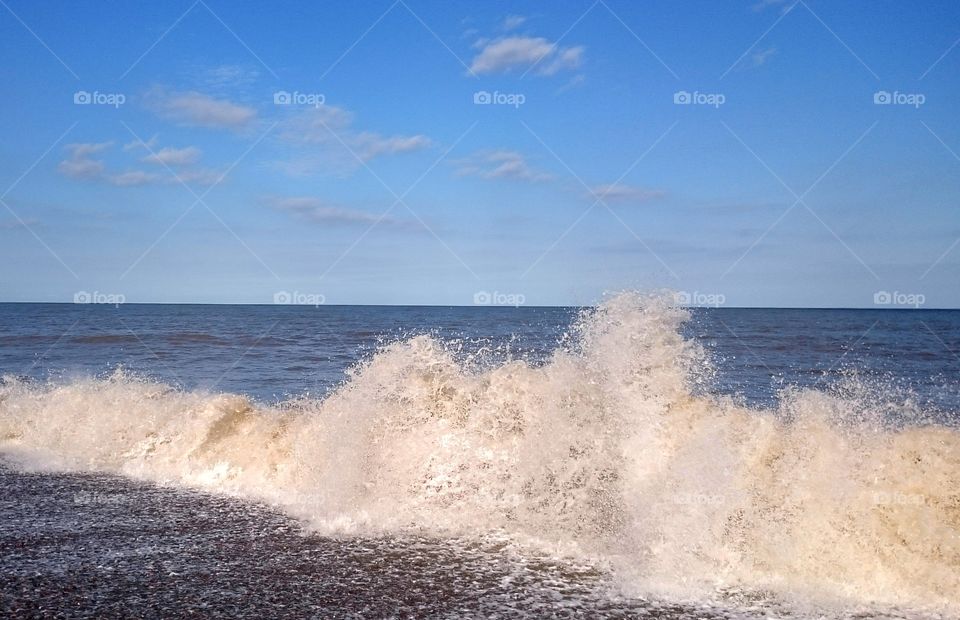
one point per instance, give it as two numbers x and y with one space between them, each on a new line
274 352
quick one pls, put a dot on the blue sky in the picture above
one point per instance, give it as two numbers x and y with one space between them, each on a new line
760 152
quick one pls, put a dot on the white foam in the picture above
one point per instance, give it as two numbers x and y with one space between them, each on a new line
607 450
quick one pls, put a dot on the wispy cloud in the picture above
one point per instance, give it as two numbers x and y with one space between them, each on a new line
312 209
133 178
226 78
81 168
80 163
85 149
619 192
332 129
574 82
516 52
197 109
14 224
169 156
511 22
785 5
756 59
501 164
199 176
372 145
138 144
760 57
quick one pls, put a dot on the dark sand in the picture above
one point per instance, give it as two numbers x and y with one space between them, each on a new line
101 546
95 546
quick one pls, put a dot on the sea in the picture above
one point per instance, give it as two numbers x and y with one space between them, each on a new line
633 459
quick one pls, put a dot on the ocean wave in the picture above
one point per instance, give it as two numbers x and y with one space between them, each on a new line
106 339
611 448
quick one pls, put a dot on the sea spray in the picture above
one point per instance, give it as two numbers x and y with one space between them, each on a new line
609 447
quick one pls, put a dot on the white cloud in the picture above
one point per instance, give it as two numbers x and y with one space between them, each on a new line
567 58
138 144
200 176
81 168
756 59
370 145
340 145
226 78
501 164
762 56
511 22
618 192
785 5
79 163
574 82
312 209
84 149
134 177
508 53
197 109
169 156
314 125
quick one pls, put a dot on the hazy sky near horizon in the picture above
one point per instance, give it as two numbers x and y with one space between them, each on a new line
761 152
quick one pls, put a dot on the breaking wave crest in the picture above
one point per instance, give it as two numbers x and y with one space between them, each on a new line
610 448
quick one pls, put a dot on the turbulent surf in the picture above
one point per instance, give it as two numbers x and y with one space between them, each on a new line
612 449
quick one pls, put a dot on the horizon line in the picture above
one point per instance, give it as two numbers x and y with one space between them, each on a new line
504 306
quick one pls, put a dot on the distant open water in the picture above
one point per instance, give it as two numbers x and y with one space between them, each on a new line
274 352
